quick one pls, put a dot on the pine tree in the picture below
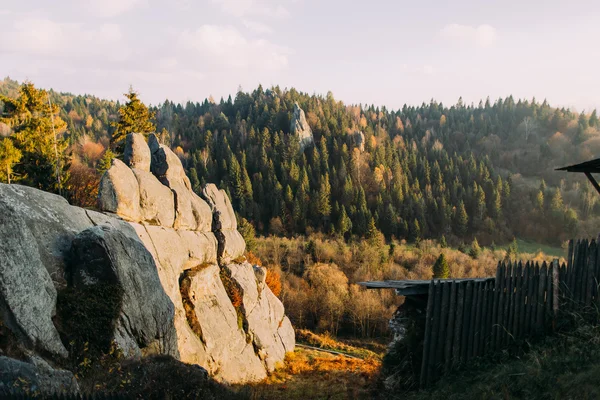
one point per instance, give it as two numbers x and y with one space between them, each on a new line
38 135
9 156
105 162
556 204
344 224
133 117
441 270
322 204
594 122
475 249
443 243
248 232
512 250
462 220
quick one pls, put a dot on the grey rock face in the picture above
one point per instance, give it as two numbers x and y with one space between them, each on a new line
136 153
104 255
167 167
224 225
36 229
268 326
119 192
45 217
223 214
232 354
29 378
156 200
299 126
231 245
191 212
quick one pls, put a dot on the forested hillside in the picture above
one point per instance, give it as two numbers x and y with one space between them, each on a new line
426 171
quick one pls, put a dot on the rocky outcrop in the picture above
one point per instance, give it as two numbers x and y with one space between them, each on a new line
137 152
156 200
224 225
105 255
35 378
299 127
359 140
174 258
36 231
119 192
191 212
269 329
228 348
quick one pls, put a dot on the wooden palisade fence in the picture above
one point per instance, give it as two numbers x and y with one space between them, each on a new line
473 318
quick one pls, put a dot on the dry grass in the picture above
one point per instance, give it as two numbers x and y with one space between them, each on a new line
309 374
313 374
328 342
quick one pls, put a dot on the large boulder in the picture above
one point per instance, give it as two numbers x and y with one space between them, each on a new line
102 255
220 327
166 166
156 200
224 225
223 214
231 245
46 218
271 331
119 192
19 377
137 153
191 212
36 230
299 127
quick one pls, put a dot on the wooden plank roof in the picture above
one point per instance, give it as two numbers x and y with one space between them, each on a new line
592 166
414 287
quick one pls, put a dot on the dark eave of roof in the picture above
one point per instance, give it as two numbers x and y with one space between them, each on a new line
592 166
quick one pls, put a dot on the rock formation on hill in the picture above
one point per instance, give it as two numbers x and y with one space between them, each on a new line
359 140
173 260
299 127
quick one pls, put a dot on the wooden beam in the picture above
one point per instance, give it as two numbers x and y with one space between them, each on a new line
594 183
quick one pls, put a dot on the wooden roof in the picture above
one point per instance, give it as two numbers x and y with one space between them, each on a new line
592 166
414 287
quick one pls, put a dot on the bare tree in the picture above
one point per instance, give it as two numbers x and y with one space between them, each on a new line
529 126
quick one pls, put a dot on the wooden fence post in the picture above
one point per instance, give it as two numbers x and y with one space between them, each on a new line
427 337
555 284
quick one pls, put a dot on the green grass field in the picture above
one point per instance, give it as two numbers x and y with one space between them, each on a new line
533 248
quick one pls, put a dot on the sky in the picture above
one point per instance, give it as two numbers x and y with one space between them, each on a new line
388 53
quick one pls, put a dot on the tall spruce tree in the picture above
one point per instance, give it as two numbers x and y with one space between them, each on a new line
134 116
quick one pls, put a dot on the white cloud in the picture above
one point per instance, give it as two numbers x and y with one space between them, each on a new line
257 27
227 47
112 8
47 38
259 8
481 36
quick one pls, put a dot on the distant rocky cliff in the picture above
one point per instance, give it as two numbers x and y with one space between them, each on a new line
299 127
175 259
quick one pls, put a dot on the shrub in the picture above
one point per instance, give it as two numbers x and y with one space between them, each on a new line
253 259
441 270
475 249
273 281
